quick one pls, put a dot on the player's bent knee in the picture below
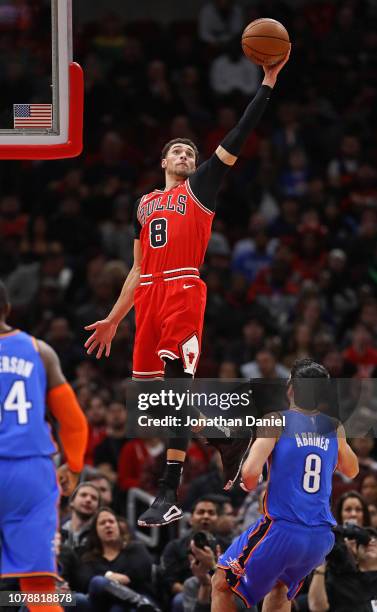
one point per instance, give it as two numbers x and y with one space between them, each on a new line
219 582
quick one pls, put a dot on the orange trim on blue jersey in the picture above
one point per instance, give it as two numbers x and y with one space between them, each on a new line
26 575
13 332
35 343
241 596
297 590
258 543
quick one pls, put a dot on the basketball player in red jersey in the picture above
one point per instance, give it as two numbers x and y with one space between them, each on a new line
172 230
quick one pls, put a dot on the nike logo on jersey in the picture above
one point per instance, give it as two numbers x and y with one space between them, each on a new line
188 286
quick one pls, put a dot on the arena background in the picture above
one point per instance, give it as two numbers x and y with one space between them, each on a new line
291 268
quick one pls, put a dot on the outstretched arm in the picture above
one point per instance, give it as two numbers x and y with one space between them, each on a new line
206 181
105 330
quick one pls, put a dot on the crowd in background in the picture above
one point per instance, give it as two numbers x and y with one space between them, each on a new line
291 267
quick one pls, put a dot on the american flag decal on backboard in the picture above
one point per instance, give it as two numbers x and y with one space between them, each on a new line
32 116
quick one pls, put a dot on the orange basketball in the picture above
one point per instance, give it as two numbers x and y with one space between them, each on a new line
265 41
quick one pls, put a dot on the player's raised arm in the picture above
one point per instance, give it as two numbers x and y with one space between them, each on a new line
73 428
206 180
230 148
105 330
347 460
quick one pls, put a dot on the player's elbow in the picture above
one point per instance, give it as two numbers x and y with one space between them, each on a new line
349 469
353 470
249 478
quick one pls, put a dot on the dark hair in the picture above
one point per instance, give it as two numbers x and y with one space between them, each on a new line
92 477
4 300
340 504
94 548
185 141
206 499
309 395
86 483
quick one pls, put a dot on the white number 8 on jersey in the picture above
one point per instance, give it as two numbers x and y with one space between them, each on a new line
312 473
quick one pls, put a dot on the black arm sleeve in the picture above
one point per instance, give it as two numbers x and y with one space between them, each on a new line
135 220
234 141
206 181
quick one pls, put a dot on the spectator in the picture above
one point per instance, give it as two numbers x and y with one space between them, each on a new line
104 486
175 563
132 458
299 345
264 366
368 488
232 73
111 559
84 503
361 353
219 22
107 452
352 508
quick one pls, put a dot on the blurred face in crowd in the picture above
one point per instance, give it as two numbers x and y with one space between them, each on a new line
369 315
104 488
226 521
228 369
369 489
59 330
253 332
361 338
96 412
179 161
333 362
108 529
266 363
352 511
86 501
373 514
303 336
116 415
204 516
350 146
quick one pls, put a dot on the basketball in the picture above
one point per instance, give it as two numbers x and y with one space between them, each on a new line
265 41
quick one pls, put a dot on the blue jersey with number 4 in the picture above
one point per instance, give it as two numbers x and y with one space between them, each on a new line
24 431
301 470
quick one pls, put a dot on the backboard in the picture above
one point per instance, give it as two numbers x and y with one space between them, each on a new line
41 102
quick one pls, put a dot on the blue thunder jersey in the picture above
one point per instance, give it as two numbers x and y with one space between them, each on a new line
301 469
24 431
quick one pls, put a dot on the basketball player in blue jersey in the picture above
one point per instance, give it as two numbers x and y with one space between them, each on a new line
31 381
271 558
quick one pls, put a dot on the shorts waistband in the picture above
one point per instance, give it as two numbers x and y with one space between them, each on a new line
168 275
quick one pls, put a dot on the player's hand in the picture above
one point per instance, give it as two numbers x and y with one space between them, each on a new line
271 72
104 332
67 479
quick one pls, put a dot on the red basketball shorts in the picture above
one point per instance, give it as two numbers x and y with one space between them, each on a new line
169 323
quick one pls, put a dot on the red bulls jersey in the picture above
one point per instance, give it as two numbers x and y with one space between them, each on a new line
175 230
